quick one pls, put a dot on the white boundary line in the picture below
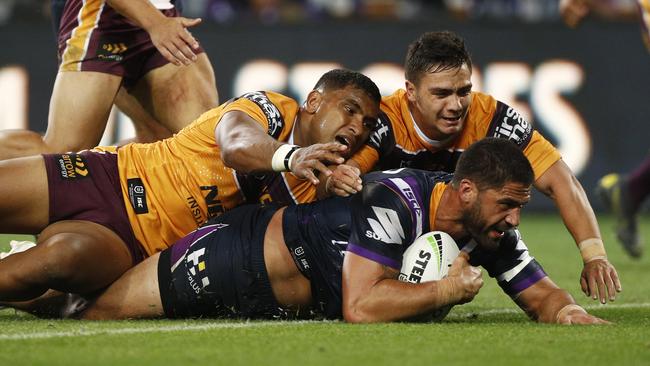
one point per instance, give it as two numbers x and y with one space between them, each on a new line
234 325
151 329
642 305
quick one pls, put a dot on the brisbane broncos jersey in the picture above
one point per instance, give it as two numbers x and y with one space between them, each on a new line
379 223
172 186
397 143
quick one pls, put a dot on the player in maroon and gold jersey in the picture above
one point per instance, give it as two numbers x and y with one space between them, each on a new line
101 211
437 116
106 46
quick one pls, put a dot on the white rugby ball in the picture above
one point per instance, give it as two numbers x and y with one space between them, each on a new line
429 259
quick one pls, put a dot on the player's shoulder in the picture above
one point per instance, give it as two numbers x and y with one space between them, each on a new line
482 102
404 181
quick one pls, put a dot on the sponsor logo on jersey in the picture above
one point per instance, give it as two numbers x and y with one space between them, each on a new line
72 166
387 228
407 192
511 125
210 194
195 210
137 195
272 113
381 131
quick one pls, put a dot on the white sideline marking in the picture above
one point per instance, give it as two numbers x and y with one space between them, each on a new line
642 305
156 329
195 327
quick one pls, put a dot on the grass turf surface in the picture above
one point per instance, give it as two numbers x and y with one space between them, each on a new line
490 330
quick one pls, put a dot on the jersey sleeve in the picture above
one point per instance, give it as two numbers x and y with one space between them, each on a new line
379 144
260 108
509 124
382 225
511 265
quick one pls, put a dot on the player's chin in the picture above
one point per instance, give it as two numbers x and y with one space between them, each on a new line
490 240
450 128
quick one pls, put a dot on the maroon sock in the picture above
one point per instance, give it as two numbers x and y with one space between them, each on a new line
638 184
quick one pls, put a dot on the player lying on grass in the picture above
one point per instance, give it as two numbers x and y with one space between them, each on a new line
429 123
100 212
341 257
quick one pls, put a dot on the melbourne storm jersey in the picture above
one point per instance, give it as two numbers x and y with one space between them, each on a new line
379 223
397 143
172 186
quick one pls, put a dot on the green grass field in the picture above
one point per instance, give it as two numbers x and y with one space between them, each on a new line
489 331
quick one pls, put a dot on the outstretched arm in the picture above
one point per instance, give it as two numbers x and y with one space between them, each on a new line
547 303
599 278
169 35
372 292
246 147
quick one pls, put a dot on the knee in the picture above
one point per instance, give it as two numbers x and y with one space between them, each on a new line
63 255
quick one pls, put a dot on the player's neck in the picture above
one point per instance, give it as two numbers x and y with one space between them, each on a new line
449 215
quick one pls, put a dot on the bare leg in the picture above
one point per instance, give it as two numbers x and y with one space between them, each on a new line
147 128
134 295
175 96
71 256
79 109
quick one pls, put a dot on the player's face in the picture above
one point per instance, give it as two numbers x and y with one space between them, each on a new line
494 212
440 100
346 116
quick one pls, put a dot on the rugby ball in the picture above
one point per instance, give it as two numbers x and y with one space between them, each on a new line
429 259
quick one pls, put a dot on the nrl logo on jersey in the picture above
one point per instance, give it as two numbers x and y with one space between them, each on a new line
387 228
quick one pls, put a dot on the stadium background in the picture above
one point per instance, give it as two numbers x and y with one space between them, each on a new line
586 89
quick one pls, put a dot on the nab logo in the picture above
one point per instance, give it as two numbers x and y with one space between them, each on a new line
72 166
215 208
387 228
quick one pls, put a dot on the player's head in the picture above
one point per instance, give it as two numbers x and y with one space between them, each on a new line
434 52
343 107
493 178
438 72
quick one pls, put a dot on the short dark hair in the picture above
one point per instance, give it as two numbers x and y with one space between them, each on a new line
491 163
433 52
340 78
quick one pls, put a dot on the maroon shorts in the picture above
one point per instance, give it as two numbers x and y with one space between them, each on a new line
94 37
86 186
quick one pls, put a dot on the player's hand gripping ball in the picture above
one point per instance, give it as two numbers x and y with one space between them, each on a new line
429 259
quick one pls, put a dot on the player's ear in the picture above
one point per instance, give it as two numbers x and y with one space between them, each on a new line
314 99
410 90
467 191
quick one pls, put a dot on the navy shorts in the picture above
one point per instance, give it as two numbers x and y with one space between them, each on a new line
86 186
218 271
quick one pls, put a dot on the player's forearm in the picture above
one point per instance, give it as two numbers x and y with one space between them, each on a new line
549 307
393 300
141 12
572 203
250 154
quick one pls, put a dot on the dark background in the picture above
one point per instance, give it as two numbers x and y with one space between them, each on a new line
613 99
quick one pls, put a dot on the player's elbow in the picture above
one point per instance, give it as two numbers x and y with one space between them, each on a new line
232 154
357 314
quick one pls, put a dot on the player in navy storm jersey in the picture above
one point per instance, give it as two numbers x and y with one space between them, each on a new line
340 257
